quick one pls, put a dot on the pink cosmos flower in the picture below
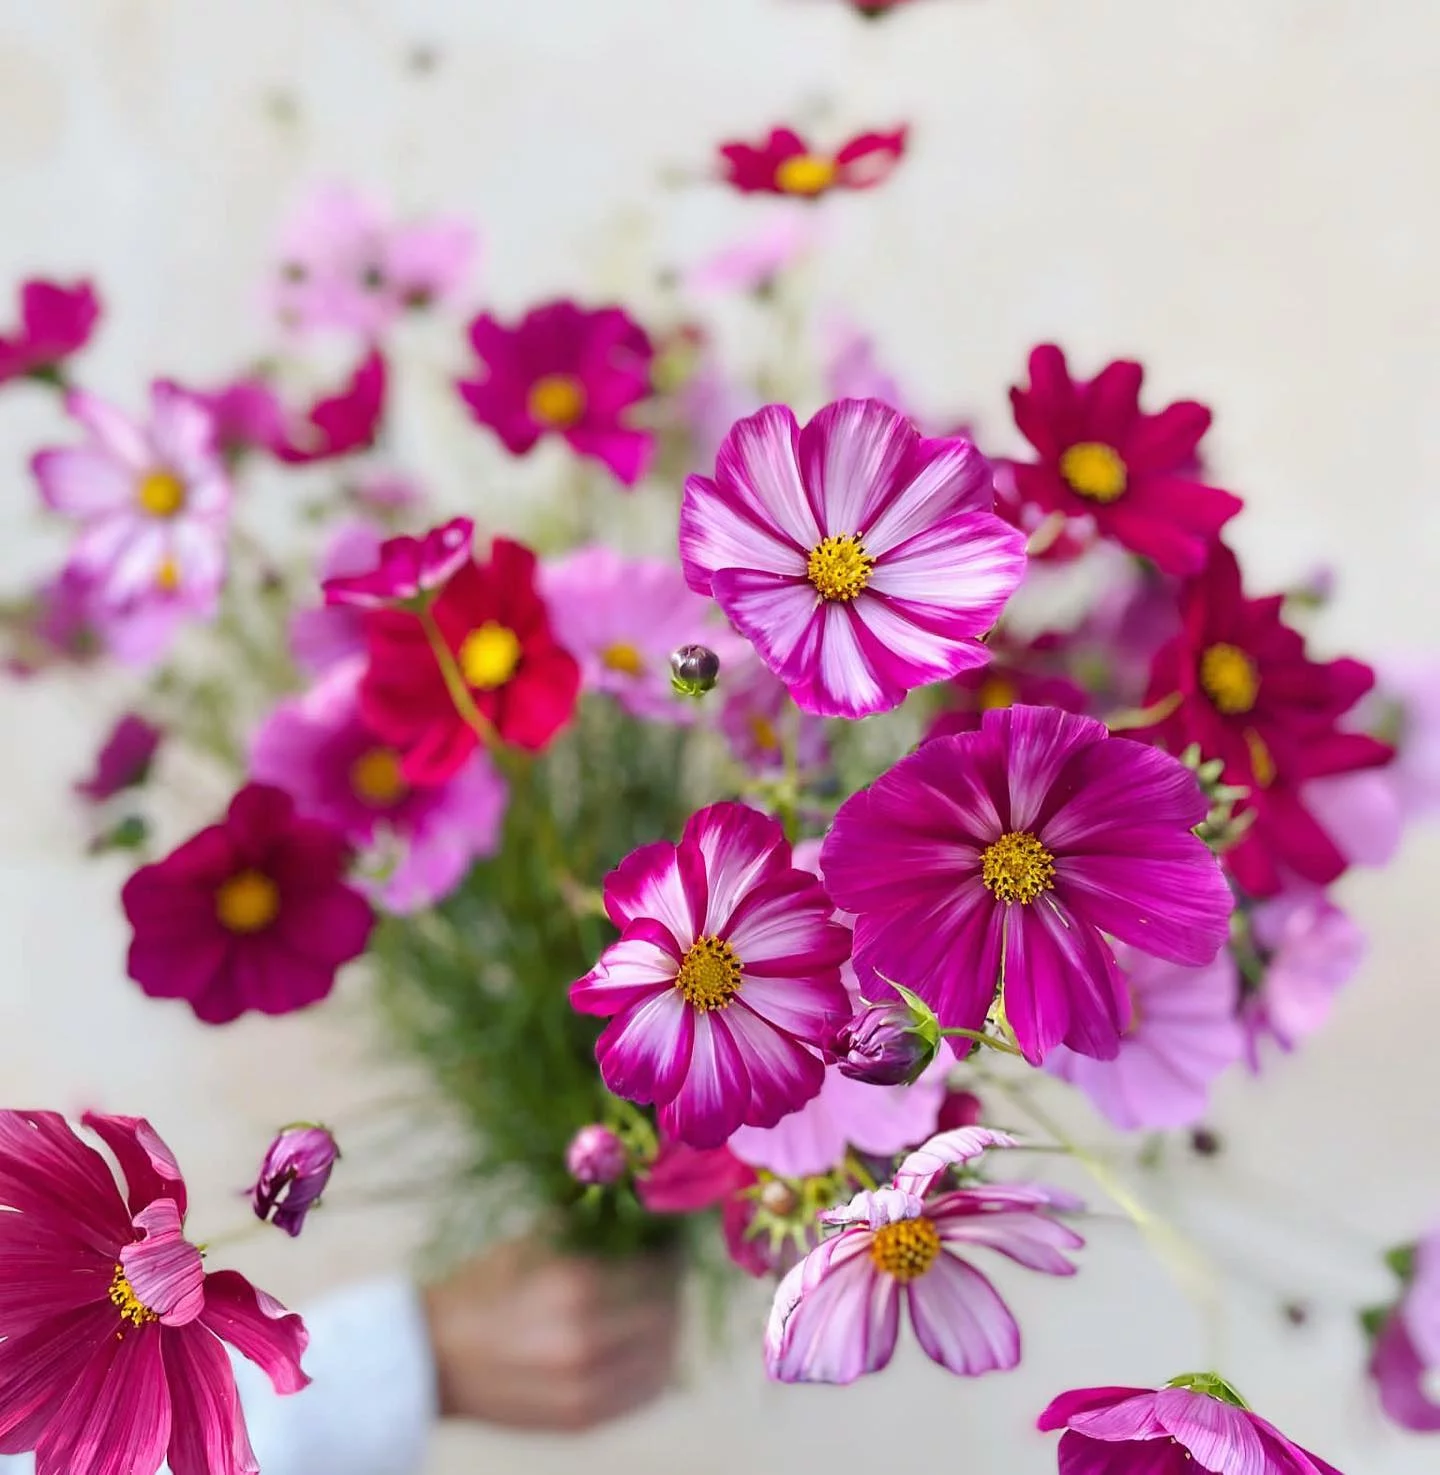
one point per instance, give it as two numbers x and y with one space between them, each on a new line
295 1172
756 709
246 412
124 760
1182 1035
112 1358
566 371
422 841
685 1180
345 263
860 559
751 265
55 322
725 983
385 491
786 165
1181 1429
1405 1362
325 635
1000 858
338 424
251 913
836 1315
406 568
152 500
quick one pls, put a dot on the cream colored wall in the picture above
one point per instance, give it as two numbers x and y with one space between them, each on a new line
1241 191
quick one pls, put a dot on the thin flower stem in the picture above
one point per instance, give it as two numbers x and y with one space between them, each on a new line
981 1038
459 690
788 798
1136 717
860 1173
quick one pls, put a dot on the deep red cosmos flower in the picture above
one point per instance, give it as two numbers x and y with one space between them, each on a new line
496 627
337 424
1102 457
1246 692
786 165
55 322
251 913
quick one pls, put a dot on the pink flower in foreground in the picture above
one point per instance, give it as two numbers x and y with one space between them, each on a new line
1184 1428
1183 1033
725 983
836 1315
124 760
296 1171
251 913
860 559
999 859
1405 1362
324 635
112 1358
337 424
55 322
786 165
318 748
563 370
406 568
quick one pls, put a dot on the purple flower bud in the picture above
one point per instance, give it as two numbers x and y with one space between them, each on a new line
293 1176
596 1155
890 1043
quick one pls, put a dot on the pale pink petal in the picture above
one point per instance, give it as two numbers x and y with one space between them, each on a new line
644 1053
164 1269
258 1327
115 431
875 1208
1218 1435
1032 1240
783 1074
960 1320
923 1167
947 476
842 1326
208 1436
741 847
852 454
84 481
182 431
783 929
719 530
714 1096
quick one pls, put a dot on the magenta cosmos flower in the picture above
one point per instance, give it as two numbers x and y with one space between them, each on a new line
406 568
785 164
725 983
861 559
124 760
55 322
566 371
1001 858
251 913
1195 1425
836 1315
1102 457
338 424
112 1357
1405 1362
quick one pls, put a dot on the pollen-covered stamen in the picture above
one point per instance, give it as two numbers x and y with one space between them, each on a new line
248 901
1017 867
839 567
132 1309
1229 678
557 400
906 1250
1094 470
623 658
376 778
709 974
488 656
160 493
806 174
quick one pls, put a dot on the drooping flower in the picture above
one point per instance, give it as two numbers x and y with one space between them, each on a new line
1193 1424
345 263
563 370
785 164
406 568
250 913
324 635
295 1172
1001 858
1182 1035
755 716
836 1315
725 984
1102 457
420 841
596 1156
55 322
496 628
124 759
1405 1360
337 424
112 1358
152 500
860 559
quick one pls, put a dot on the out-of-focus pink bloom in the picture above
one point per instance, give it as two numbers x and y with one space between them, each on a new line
55 322
296 1171
406 569
1413 687
685 1180
322 636
754 715
753 264
785 164
1405 1362
247 415
384 490
853 370
345 263
124 759
338 424
959 1109
596 1156
1361 812
1003 683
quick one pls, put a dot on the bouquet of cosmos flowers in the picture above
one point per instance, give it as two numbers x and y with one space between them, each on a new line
761 881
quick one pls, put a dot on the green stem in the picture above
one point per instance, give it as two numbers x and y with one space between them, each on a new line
1129 720
981 1038
459 690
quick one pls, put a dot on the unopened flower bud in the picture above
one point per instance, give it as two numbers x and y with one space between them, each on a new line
778 1198
294 1175
694 670
959 1109
596 1156
890 1043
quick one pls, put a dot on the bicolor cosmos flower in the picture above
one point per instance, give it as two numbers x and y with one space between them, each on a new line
55 322
1405 1361
338 424
1182 1035
1102 457
345 263
295 1172
112 1358
251 913
406 569
859 558
1002 858
836 1315
322 636
725 984
563 370
497 630
1193 1424
754 716
152 500
785 164
420 841
124 759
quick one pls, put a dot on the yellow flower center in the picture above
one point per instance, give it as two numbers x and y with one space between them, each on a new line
375 777
762 729
160 493
624 659
167 576
709 974
839 568
1229 678
1017 867
996 692
247 902
131 1307
905 1250
805 174
1094 470
557 400
489 656
1262 761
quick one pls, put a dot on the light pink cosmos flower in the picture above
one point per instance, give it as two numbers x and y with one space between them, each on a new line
1182 1034
836 1315
152 500
725 983
406 568
1413 685
1405 1362
345 263
860 559
326 634
752 264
